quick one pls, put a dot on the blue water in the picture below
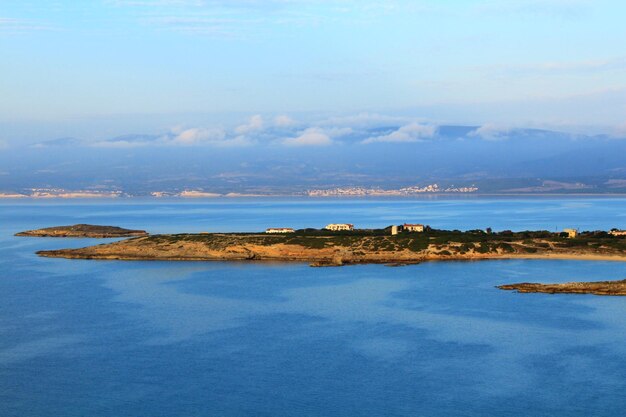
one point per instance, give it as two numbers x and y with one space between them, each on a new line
107 338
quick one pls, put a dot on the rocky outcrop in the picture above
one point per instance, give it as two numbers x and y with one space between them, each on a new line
597 288
83 230
144 249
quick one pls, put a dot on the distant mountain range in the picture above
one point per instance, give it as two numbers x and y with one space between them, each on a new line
296 158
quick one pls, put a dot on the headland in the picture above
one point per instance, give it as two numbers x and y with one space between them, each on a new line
84 231
344 247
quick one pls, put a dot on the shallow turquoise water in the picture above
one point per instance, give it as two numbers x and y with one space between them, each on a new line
102 338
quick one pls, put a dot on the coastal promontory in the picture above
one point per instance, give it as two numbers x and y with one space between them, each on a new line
84 231
597 288
323 247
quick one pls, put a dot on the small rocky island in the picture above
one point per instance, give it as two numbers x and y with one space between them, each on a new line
359 246
597 288
84 231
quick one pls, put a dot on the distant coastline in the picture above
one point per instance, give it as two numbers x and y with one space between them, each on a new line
213 196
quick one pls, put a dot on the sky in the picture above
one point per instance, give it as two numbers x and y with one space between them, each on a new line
104 67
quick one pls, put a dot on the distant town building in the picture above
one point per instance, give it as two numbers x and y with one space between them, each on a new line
394 230
339 227
413 227
617 232
375 191
571 233
274 230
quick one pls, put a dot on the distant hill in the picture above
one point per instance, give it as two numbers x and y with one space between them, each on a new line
391 155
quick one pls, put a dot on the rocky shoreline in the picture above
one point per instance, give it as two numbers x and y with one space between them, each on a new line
598 288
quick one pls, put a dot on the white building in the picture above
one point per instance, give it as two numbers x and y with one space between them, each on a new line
571 233
275 230
339 227
413 227
617 232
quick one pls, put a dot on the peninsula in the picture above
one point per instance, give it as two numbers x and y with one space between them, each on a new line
327 247
84 230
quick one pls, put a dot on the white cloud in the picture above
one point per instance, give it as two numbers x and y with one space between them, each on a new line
156 3
310 137
548 8
210 26
254 19
126 141
413 132
254 124
560 68
15 26
284 121
210 137
492 132
196 136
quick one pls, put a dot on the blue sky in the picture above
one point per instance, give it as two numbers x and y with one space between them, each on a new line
167 62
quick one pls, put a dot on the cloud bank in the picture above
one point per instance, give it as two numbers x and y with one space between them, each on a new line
413 132
491 132
254 124
310 137
283 131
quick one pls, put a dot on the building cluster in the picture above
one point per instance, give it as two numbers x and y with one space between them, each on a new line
346 227
411 228
276 230
335 227
573 233
62 193
407 228
338 227
405 191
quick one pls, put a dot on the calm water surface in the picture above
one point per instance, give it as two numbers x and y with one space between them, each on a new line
106 338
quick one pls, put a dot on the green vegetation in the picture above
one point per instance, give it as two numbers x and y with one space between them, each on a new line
381 240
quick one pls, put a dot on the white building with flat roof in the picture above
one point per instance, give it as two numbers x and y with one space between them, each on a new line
407 227
571 233
275 230
336 227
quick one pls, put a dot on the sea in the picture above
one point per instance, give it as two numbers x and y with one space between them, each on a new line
132 339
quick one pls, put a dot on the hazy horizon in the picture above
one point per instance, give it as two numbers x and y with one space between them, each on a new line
114 67
287 95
